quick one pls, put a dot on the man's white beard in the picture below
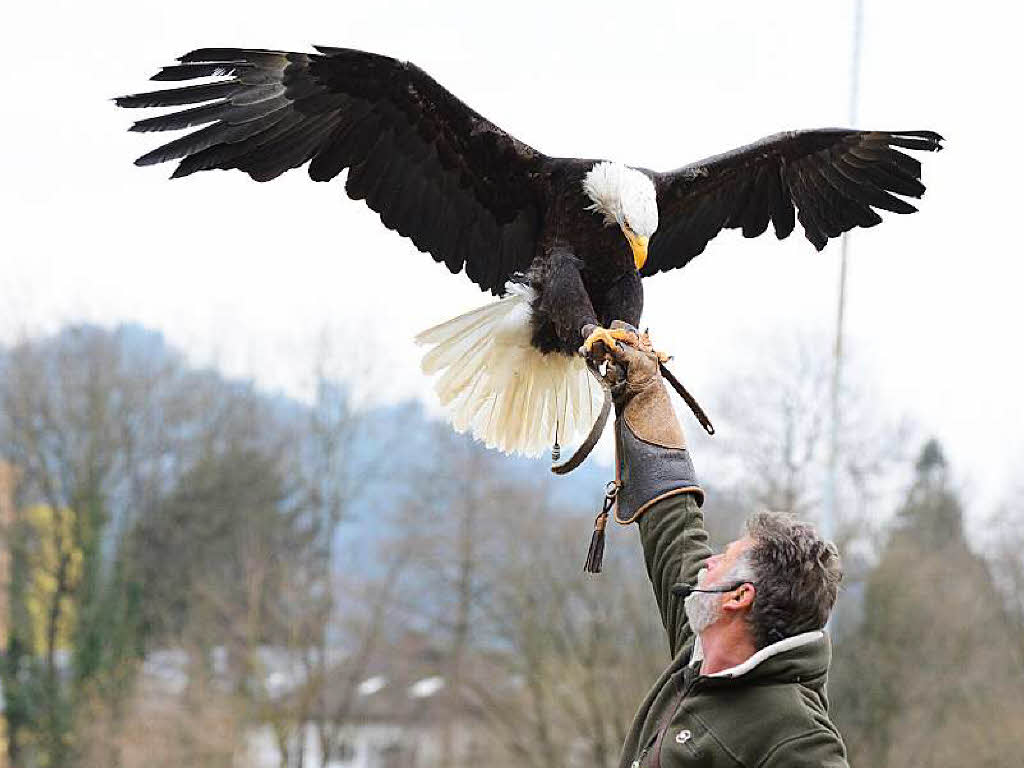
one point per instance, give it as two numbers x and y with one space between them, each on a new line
702 608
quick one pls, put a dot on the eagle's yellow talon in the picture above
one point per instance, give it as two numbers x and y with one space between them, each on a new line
608 337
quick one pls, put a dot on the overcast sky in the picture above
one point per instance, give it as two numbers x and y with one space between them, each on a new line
248 276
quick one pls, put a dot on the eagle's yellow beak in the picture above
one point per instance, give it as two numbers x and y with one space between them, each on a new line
639 246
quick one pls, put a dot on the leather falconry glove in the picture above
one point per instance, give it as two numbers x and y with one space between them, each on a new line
653 462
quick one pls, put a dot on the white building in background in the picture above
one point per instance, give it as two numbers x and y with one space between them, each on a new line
394 715
392 712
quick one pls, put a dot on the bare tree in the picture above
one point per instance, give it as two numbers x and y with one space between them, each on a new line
771 447
582 650
349 452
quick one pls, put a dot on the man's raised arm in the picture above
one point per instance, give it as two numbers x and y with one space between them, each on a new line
658 486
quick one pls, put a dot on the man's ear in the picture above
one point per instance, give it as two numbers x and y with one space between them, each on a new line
741 599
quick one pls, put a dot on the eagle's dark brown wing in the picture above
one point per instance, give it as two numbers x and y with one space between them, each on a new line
435 170
833 177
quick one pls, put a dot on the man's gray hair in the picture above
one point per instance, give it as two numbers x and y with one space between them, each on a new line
796 575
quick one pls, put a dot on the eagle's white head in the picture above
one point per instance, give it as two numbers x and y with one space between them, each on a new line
624 196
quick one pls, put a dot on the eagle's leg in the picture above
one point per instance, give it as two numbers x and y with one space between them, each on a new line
619 307
563 305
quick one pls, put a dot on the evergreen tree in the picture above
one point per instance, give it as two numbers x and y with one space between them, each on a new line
931 681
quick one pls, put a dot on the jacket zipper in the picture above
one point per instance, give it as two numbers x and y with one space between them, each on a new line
659 737
636 763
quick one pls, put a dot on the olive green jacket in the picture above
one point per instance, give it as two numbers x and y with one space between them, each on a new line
769 712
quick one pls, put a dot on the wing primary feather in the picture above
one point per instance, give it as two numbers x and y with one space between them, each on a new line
447 216
879 198
227 155
406 200
783 215
854 212
872 153
863 214
355 129
361 138
484 257
391 188
187 118
474 254
806 214
738 205
424 218
932 136
826 206
363 170
515 256
219 110
321 102
862 179
503 256
457 257
259 56
835 200
381 161
176 97
258 93
287 151
921 140
908 165
427 223
334 157
757 213
891 178
460 209
415 213
840 180
495 261
208 137
179 72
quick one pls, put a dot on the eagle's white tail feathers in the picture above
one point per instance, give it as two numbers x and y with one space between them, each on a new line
500 387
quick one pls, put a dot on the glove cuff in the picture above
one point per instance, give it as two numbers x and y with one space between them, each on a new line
648 473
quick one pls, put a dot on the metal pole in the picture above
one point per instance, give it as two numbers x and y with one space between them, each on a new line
828 513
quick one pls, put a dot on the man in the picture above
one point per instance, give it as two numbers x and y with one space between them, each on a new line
746 685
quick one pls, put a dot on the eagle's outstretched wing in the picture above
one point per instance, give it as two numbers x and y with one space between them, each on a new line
834 177
434 169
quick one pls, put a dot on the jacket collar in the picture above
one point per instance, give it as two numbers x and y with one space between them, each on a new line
808 664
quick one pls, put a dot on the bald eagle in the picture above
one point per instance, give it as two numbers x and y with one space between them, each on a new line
563 242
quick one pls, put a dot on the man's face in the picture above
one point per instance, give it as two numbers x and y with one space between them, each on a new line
718 569
705 608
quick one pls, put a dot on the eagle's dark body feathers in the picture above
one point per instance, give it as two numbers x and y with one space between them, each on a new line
583 271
